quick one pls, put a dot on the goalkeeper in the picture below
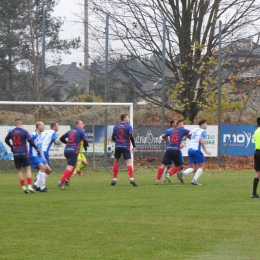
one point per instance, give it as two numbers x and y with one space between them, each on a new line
81 162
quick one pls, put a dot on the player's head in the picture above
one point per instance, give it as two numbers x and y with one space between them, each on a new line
173 123
79 124
40 126
54 126
180 124
17 122
125 118
203 124
258 121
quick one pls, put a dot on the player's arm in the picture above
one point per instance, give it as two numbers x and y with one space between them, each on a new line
63 139
85 145
57 142
30 141
55 139
202 141
163 137
113 137
7 141
189 135
132 140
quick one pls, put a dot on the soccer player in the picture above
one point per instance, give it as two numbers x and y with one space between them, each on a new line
38 160
82 162
196 157
174 170
122 135
74 138
166 170
256 159
19 148
49 137
172 153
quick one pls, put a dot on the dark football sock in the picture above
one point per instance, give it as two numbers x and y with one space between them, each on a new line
255 184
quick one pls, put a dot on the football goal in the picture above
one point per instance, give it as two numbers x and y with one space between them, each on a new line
99 120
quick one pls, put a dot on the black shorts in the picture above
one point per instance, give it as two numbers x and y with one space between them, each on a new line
21 161
172 156
71 157
257 160
126 154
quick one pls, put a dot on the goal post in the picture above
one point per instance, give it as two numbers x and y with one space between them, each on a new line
66 113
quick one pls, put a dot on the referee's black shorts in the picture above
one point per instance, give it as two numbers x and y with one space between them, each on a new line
257 160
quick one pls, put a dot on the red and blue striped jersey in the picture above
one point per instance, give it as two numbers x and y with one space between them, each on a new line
19 137
75 136
122 133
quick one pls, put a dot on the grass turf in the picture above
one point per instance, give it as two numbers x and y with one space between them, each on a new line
93 220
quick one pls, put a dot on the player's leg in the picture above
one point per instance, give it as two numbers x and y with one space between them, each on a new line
71 163
192 162
116 166
78 163
27 166
43 171
84 164
127 158
18 166
200 167
165 161
175 158
257 174
21 180
81 164
166 173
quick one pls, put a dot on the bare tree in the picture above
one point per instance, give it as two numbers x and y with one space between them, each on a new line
31 46
191 42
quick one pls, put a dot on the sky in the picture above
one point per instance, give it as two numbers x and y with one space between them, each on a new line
70 11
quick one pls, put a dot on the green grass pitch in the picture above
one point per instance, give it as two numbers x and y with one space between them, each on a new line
93 220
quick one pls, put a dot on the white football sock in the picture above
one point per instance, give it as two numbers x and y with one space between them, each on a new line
42 180
37 179
188 171
166 170
198 173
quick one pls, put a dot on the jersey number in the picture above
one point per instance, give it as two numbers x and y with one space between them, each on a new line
17 140
121 133
174 138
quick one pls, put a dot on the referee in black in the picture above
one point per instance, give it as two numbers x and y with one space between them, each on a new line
256 159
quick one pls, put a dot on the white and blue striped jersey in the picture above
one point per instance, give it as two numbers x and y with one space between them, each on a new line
37 139
49 137
196 134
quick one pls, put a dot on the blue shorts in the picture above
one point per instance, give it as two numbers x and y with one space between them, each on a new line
21 161
172 156
46 155
71 157
195 156
36 160
126 154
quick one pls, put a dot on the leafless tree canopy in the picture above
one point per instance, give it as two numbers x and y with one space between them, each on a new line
135 32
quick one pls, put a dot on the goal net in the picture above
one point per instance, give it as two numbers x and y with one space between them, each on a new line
99 120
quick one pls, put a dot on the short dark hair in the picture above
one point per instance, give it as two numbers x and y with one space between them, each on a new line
179 121
172 121
203 121
258 121
123 116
